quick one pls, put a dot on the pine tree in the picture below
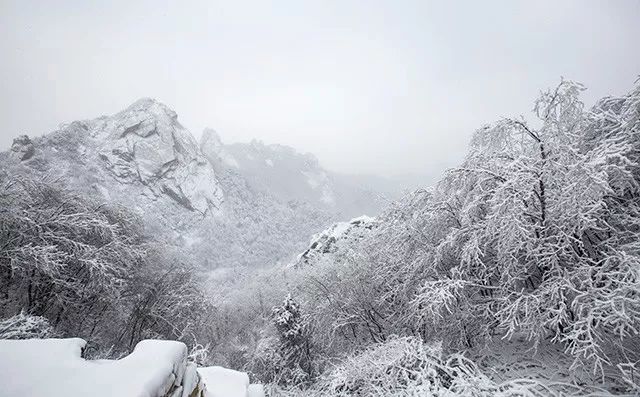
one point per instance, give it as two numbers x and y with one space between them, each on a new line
294 334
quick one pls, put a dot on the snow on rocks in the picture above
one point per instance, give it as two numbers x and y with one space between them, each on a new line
327 242
55 368
146 144
155 368
22 148
223 382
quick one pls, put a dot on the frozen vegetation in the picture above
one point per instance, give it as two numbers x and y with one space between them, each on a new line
522 259
517 274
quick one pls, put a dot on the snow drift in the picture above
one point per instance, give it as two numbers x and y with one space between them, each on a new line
156 368
55 368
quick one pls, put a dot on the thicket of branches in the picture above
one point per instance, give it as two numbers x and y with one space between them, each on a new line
536 234
544 235
89 271
406 366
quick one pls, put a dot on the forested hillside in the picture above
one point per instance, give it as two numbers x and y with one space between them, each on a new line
518 274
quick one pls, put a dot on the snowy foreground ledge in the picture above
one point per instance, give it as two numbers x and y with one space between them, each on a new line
55 368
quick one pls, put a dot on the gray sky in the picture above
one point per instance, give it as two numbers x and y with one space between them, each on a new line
368 86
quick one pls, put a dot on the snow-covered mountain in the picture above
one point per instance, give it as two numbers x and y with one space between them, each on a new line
290 175
224 204
145 144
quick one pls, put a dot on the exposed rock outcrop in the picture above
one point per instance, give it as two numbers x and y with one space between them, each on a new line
329 242
22 148
145 143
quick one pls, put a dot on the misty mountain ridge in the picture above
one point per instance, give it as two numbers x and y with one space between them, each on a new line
291 175
225 204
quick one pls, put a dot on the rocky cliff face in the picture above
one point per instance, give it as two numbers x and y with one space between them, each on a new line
145 144
22 148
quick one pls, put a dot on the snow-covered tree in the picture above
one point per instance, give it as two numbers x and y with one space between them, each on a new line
90 271
62 255
541 249
535 234
295 342
25 326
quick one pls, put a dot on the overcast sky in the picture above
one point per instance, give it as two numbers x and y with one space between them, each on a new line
380 87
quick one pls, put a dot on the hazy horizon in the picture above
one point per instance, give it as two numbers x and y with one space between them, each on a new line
369 88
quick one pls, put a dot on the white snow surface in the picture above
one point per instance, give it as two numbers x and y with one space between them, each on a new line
255 390
223 382
55 368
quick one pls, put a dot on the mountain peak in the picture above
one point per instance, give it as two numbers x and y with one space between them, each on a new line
144 118
146 144
151 105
